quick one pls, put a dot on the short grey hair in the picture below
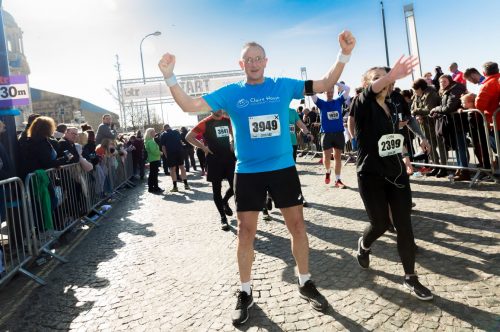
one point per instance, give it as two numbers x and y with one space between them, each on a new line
252 44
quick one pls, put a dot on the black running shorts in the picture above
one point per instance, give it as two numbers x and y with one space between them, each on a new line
219 169
332 140
175 158
283 185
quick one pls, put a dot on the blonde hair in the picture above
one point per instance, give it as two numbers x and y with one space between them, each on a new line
149 133
82 138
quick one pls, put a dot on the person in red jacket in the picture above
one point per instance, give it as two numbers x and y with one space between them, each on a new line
457 75
488 98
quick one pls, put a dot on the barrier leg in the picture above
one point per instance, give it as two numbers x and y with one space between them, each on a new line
56 256
30 275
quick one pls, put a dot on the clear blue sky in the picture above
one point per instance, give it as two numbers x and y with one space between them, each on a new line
71 47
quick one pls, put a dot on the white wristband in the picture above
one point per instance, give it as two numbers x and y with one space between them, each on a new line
171 81
342 58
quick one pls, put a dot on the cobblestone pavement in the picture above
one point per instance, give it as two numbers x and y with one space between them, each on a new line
162 263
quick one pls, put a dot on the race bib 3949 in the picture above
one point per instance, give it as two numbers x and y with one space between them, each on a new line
264 126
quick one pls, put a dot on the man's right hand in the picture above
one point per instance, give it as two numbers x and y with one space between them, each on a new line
167 64
207 150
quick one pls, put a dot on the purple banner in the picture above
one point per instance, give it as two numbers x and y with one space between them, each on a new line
15 79
14 102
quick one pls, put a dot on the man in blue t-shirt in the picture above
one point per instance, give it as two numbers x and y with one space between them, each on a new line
332 130
258 109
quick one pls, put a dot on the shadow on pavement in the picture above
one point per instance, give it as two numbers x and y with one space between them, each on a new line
58 304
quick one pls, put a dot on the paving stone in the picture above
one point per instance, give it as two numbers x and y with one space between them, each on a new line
161 263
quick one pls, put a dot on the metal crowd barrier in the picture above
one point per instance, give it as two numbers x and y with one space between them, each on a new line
15 243
459 141
496 135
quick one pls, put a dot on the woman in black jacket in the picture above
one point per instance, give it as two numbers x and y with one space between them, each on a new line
452 135
382 177
38 151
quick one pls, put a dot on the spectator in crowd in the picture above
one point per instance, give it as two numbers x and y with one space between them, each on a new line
457 75
477 131
425 98
40 154
163 156
452 135
105 129
88 151
86 127
407 95
188 151
137 148
67 145
428 78
472 75
24 134
6 167
173 150
438 73
154 161
488 98
60 131
300 112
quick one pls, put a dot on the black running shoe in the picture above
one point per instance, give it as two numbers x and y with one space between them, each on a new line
363 255
224 225
227 209
305 204
419 290
269 203
310 293
240 313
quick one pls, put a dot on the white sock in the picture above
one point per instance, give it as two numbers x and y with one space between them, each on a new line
246 287
303 278
337 177
328 171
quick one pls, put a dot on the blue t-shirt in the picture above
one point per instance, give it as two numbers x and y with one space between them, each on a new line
331 115
259 115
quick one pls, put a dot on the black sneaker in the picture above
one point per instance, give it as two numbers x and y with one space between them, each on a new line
227 209
269 203
310 293
240 313
420 291
305 204
363 255
224 225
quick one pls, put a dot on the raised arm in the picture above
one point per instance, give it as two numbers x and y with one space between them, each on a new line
347 43
186 102
401 69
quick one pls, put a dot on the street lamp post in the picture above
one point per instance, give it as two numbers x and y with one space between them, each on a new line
156 33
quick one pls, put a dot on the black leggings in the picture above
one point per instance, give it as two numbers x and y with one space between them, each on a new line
378 195
153 174
201 158
218 200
